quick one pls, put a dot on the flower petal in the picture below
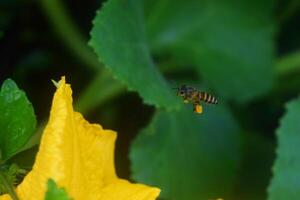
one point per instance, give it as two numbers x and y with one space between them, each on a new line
79 156
124 190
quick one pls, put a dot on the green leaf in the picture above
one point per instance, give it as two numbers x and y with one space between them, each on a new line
55 193
254 174
17 119
231 43
189 156
285 183
118 38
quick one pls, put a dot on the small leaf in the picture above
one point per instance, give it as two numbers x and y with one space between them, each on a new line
230 43
285 183
55 193
13 174
17 119
189 156
118 38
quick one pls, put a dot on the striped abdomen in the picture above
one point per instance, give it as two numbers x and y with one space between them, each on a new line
203 96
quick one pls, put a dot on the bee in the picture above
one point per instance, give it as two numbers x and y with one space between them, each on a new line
192 95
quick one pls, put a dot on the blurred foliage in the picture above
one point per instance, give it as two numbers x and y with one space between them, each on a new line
229 43
123 48
285 182
175 147
244 52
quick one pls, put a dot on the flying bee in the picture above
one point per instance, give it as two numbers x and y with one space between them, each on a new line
190 94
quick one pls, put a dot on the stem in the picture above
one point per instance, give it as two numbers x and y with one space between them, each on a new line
72 38
69 33
288 64
9 187
101 89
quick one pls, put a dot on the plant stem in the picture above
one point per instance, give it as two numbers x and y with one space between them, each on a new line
101 89
71 36
288 64
9 187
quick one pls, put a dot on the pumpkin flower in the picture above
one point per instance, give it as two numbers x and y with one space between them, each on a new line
79 156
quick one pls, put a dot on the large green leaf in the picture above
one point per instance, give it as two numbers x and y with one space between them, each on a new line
255 173
55 193
229 42
285 183
118 39
17 119
189 156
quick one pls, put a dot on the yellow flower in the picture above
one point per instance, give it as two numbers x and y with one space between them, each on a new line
80 158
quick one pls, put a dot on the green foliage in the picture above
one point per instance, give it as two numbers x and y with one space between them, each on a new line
255 169
227 47
189 156
12 174
285 183
118 38
230 43
17 119
91 98
55 193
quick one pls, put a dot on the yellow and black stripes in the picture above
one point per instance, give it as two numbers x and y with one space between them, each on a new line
191 95
208 98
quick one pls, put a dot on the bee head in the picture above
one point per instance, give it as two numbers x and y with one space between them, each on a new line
181 90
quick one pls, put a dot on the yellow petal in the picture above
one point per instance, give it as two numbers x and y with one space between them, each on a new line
79 156
128 191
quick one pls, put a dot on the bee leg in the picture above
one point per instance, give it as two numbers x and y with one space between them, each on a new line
198 108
